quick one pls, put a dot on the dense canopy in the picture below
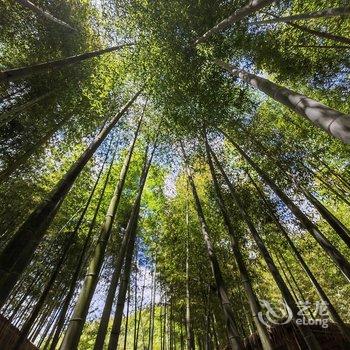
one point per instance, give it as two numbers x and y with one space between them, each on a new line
174 174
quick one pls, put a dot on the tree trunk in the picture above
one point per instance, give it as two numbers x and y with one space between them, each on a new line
12 94
131 232
18 320
39 304
244 275
208 343
19 251
189 331
171 333
37 331
84 291
8 116
76 323
47 334
67 299
336 224
319 34
347 47
341 230
287 280
215 336
118 316
44 14
24 72
332 251
151 329
252 7
323 35
127 319
334 122
340 177
234 338
104 321
110 216
305 331
331 12
333 313
36 327
135 303
328 186
75 277
161 318
22 158
165 331
182 342
140 312
289 271
12 314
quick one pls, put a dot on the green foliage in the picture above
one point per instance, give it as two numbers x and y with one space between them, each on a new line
184 92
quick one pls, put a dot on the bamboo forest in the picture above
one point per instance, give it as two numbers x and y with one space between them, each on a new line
174 174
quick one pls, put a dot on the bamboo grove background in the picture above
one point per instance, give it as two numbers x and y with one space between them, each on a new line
166 166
